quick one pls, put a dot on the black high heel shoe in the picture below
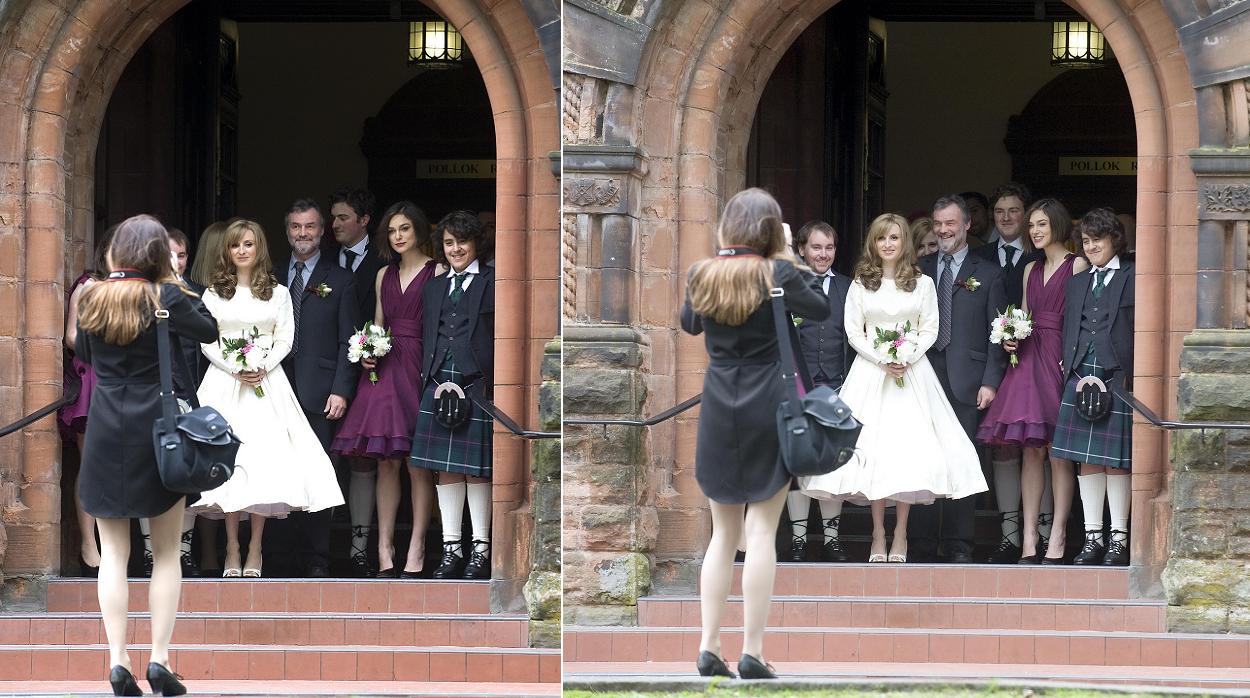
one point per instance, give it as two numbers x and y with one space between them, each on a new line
712 665
164 681
123 682
751 668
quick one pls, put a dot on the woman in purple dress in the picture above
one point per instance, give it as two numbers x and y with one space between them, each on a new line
1028 400
380 421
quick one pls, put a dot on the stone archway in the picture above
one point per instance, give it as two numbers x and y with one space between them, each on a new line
61 62
675 118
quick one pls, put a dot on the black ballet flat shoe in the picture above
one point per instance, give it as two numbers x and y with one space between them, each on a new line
412 575
798 550
90 572
751 668
1093 551
711 665
453 561
1029 559
1052 561
123 682
164 681
388 573
479 561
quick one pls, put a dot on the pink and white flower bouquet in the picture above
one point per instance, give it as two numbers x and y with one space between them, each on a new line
899 345
1014 324
370 342
247 352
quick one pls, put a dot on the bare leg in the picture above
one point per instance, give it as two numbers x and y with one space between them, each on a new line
422 482
877 552
166 585
86 523
233 558
1062 484
898 550
759 569
388 510
717 571
254 558
1031 486
112 587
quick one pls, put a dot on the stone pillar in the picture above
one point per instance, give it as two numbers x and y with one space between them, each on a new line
542 589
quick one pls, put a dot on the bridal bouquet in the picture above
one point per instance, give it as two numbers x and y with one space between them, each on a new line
900 344
1013 323
247 352
370 342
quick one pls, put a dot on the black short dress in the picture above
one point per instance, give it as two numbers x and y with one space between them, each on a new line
737 459
118 478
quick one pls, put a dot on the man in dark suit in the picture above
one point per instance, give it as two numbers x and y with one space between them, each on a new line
1009 204
827 355
323 298
351 211
970 295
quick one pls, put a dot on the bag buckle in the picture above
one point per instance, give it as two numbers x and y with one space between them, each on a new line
162 313
776 292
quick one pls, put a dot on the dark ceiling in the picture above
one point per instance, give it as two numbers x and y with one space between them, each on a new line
971 10
324 10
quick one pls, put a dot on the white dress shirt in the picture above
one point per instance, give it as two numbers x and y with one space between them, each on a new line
1002 252
361 246
1110 269
471 271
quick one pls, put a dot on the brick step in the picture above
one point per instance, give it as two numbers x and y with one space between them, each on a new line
210 689
299 629
290 595
922 612
820 644
289 662
946 581
875 677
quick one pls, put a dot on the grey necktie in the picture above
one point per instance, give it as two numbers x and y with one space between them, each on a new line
944 303
297 299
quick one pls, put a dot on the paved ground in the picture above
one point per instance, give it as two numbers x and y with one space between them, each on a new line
287 689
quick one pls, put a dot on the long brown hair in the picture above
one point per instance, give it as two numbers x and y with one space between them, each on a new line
870 269
226 276
206 253
118 310
728 289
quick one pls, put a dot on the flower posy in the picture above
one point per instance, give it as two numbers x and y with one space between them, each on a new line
322 289
1013 323
971 285
247 352
900 345
369 342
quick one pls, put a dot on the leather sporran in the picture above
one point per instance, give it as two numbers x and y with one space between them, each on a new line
1093 399
452 408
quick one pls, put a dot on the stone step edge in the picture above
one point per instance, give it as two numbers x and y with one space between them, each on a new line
284 580
260 687
1223 637
175 647
278 615
1032 600
1079 569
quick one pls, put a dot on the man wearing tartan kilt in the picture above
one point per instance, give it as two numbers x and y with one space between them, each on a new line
1098 342
459 340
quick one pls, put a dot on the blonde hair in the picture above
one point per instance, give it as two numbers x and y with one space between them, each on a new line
919 229
226 276
119 310
728 289
207 252
871 269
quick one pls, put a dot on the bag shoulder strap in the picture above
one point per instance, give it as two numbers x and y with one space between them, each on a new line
169 405
789 371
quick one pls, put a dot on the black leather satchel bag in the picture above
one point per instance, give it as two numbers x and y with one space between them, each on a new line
817 432
1093 399
195 451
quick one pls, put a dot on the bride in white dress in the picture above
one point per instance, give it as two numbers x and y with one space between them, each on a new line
912 448
281 465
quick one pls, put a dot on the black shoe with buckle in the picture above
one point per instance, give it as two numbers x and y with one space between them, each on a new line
1093 551
1117 550
798 549
479 561
453 561
1008 553
832 551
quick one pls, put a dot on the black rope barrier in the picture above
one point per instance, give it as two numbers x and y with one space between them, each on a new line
42 412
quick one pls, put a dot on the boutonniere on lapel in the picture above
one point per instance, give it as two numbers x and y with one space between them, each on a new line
970 284
322 289
798 321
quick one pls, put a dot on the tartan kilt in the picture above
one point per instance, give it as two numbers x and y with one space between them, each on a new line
1107 443
467 450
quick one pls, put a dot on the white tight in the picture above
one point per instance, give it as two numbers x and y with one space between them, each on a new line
163 590
757 574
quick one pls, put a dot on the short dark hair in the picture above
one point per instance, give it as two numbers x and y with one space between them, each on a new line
420 228
360 200
946 200
1100 223
805 233
465 226
975 196
300 206
1015 189
179 237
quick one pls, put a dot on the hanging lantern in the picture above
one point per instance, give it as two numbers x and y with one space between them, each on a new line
434 41
1076 45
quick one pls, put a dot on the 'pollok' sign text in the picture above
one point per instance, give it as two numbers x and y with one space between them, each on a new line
1097 167
455 169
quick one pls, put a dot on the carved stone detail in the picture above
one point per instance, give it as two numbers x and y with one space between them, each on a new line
1229 198
592 192
568 252
571 91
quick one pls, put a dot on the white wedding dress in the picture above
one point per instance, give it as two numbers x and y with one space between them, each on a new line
281 465
912 448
